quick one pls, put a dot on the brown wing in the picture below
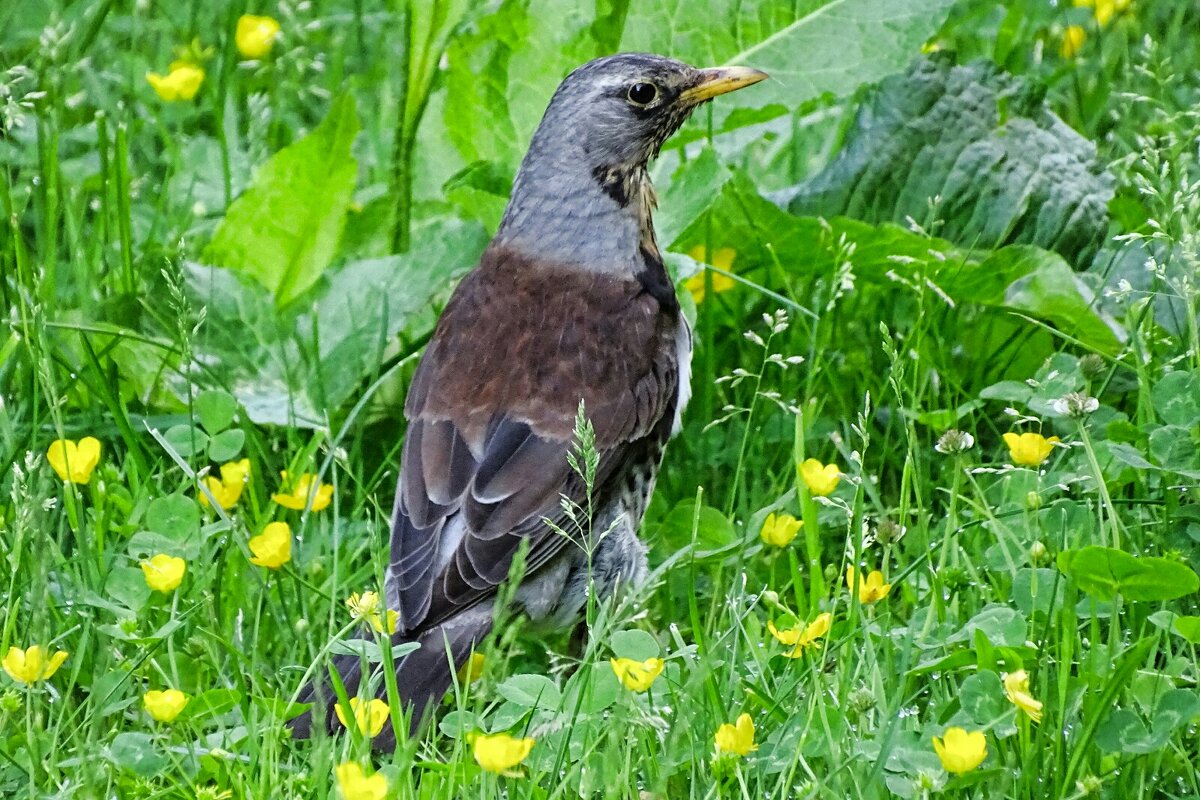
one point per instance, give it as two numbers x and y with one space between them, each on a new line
491 418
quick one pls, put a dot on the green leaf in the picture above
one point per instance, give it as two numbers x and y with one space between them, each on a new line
1188 627
216 410
1176 398
1006 169
984 702
712 530
1106 572
226 445
1020 278
1002 626
635 644
359 309
1125 732
174 515
212 703
127 585
810 49
1037 591
136 752
284 230
530 691
186 440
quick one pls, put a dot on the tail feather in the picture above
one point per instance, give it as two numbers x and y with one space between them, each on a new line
422 677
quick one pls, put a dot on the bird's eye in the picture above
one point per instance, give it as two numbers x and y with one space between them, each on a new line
643 94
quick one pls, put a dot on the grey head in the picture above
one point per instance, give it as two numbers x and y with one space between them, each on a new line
582 196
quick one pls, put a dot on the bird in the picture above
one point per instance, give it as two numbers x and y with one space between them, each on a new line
569 304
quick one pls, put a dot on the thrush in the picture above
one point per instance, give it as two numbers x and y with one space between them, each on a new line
569 303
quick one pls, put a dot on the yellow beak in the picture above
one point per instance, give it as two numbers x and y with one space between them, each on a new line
721 80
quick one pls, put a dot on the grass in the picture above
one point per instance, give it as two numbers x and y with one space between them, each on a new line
1078 569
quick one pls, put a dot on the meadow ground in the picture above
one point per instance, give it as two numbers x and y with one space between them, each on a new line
931 526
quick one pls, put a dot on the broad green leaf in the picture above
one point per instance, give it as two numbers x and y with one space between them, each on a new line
984 702
530 691
186 440
1020 278
359 309
211 703
1002 626
635 644
284 230
712 530
137 752
127 585
1126 732
1188 627
216 409
503 72
809 48
174 515
1106 572
1004 168
226 445
1176 398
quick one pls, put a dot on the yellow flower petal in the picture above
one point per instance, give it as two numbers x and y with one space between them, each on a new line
73 462
1016 686
1072 41
499 752
181 83
165 705
637 675
872 590
255 35
302 487
960 751
472 668
804 639
1029 449
273 547
779 530
821 479
369 717
164 573
31 665
355 784
737 738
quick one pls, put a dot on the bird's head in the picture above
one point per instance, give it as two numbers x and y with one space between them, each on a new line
586 164
617 111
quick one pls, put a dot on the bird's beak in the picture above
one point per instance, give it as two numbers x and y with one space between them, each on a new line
720 80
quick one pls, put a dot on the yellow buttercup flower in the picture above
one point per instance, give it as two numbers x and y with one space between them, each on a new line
499 752
363 606
778 530
737 738
180 83
636 675
378 624
802 638
369 717
164 573
472 668
1072 41
273 547
960 751
821 479
1016 686
255 35
1029 449
32 664
355 784
297 498
73 462
1104 10
165 705
722 259
228 489
872 590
